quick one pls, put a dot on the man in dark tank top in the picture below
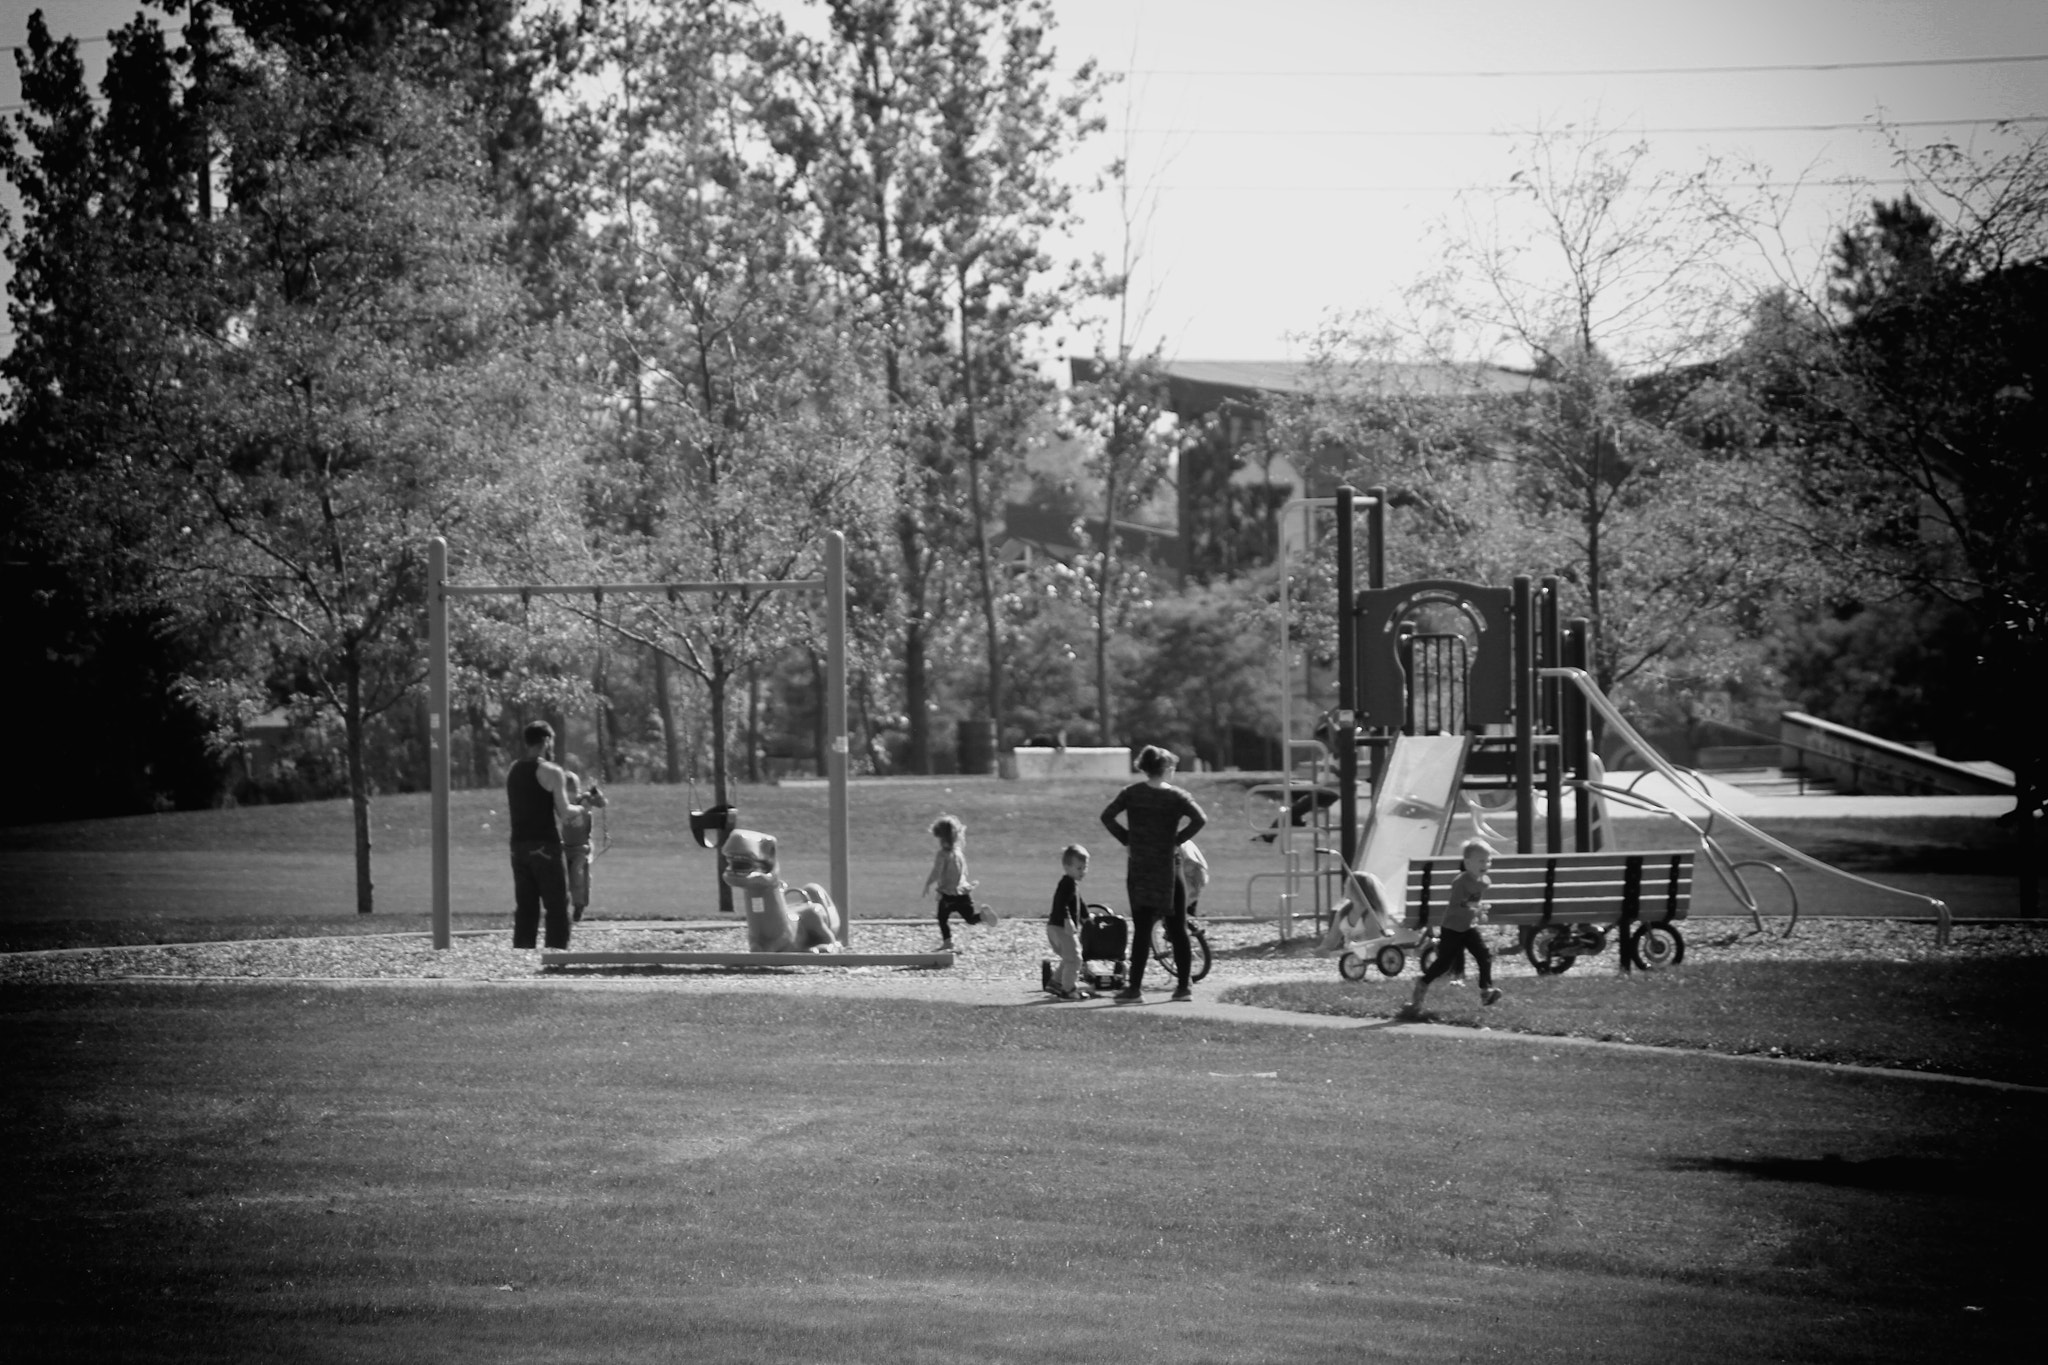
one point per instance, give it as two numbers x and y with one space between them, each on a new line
537 800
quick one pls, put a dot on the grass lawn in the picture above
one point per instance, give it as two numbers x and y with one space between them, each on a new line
1970 1017
226 873
662 1173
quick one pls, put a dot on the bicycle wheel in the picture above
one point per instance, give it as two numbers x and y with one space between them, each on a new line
1198 950
1351 967
1659 946
1542 945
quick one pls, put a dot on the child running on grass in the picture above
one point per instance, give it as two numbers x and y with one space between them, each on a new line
1063 929
949 877
1460 932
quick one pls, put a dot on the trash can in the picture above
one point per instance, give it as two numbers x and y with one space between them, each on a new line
977 746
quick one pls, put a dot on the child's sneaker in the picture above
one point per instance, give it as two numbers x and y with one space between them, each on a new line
1183 994
1130 995
1490 996
1410 1013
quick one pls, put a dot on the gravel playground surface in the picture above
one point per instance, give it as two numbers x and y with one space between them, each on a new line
1006 956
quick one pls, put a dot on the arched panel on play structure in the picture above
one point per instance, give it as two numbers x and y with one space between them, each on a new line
1486 658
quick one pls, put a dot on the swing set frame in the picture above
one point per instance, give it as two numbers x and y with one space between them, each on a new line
440 591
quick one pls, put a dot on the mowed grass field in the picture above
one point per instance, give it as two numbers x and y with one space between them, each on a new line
655 1170
283 1172
206 874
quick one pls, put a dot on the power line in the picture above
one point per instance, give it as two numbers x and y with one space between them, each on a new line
1866 125
58 38
1551 72
1847 183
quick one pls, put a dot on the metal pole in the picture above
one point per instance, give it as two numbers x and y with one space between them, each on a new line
1578 739
1524 627
835 726
1376 532
1553 756
1286 839
1344 731
438 765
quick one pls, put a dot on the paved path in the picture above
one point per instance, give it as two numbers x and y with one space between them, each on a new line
1159 1006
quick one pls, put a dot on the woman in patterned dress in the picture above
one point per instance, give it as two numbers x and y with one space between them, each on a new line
1158 818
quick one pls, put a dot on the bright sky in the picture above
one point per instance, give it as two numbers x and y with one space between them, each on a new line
1297 152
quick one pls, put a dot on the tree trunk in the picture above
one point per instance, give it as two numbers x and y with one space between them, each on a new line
358 780
753 723
716 686
1105 588
915 686
665 707
988 590
481 736
821 739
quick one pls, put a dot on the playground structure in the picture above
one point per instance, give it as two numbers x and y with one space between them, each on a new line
1467 705
800 926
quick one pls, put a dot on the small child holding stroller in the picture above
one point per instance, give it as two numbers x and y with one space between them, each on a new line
1063 929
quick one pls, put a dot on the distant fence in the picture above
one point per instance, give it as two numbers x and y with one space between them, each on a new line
1859 763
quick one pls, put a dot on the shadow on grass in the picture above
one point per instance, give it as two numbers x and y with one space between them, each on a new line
1891 1174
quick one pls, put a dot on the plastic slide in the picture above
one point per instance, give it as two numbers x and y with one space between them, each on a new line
1414 806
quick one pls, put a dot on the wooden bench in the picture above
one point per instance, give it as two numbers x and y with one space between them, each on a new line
1536 890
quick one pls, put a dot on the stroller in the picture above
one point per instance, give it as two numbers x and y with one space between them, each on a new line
1105 939
1367 930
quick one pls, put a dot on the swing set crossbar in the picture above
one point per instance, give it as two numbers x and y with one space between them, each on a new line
591 589
440 722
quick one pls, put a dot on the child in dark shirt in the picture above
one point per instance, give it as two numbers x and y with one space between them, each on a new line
1460 932
1063 929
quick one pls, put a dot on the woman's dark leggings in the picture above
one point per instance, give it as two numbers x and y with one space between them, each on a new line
1451 946
1143 917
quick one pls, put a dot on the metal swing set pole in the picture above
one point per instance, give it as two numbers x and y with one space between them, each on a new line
439 736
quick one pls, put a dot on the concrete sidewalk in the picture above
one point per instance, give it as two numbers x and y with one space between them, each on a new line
1159 1006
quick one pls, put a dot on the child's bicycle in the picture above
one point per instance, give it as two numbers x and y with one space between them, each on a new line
1198 949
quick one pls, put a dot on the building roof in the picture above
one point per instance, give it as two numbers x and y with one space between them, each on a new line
1198 387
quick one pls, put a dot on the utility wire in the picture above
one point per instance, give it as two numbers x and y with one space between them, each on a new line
1867 125
1551 72
1177 188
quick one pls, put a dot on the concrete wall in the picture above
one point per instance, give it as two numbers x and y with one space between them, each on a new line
1864 764
1029 765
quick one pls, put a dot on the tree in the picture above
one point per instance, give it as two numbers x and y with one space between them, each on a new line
1207 671
736 422
335 370
1909 393
1122 405
929 139
100 196
1604 280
